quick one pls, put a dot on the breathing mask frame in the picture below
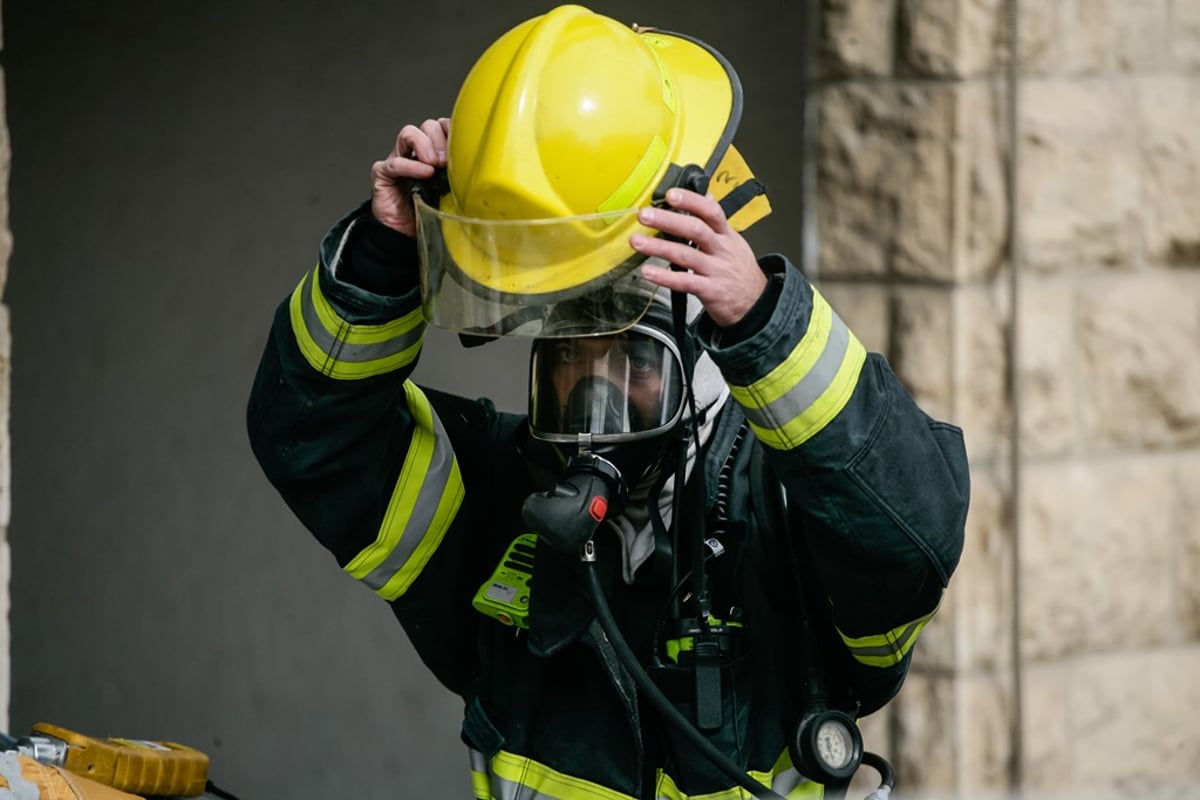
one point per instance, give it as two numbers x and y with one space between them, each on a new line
624 388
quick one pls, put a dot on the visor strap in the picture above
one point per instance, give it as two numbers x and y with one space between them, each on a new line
687 353
706 669
678 325
741 196
687 348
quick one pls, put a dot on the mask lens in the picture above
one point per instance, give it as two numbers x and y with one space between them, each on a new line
615 388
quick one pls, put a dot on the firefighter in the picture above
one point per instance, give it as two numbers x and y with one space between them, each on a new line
711 464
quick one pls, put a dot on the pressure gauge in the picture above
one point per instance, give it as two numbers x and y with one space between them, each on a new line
827 747
835 744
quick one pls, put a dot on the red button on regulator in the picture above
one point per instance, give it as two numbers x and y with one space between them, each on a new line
598 508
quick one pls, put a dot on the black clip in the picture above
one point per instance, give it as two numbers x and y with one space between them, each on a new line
691 176
706 652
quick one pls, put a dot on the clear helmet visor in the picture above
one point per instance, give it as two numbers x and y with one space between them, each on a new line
601 389
557 277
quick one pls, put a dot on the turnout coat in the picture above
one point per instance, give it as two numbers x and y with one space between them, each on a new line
417 494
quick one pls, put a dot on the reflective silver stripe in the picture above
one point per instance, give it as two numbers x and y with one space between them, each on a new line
481 787
422 514
787 780
808 389
19 788
337 346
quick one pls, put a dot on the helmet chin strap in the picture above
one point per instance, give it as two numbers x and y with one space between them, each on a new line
687 354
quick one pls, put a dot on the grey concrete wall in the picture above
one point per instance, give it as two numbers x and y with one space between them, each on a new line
174 165
5 441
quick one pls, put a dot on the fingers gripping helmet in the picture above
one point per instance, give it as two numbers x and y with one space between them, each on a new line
563 129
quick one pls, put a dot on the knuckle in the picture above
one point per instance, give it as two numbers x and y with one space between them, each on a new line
685 257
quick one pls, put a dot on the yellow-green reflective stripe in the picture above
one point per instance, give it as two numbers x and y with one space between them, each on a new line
638 181
806 791
886 649
787 781
668 85
426 497
513 777
665 789
796 400
341 350
479 786
516 777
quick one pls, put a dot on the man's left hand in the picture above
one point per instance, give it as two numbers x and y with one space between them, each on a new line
718 267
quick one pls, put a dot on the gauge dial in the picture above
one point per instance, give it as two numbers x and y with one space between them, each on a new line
835 744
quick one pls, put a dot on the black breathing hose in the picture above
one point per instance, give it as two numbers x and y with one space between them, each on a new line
887 775
654 694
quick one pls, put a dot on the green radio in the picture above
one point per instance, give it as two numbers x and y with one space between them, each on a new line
505 595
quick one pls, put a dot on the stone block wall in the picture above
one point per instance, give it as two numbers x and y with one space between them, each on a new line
1109 176
1044 294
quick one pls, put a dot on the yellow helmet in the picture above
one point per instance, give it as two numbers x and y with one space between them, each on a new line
564 128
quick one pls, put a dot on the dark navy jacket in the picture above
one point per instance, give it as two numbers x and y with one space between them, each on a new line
418 494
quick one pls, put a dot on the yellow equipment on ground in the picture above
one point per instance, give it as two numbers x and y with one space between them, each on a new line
59 760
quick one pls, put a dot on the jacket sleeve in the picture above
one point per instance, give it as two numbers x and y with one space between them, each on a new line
353 446
880 488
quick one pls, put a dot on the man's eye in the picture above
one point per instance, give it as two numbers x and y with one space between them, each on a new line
642 365
566 353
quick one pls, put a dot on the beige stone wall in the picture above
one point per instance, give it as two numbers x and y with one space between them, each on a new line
1088 551
1110 424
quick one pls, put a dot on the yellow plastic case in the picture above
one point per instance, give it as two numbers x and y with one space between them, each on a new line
133 765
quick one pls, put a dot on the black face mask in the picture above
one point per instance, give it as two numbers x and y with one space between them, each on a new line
593 488
596 404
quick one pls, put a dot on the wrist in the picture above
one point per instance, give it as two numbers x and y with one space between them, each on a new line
379 259
758 314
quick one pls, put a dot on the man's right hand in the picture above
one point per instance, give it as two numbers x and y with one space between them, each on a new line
419 151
